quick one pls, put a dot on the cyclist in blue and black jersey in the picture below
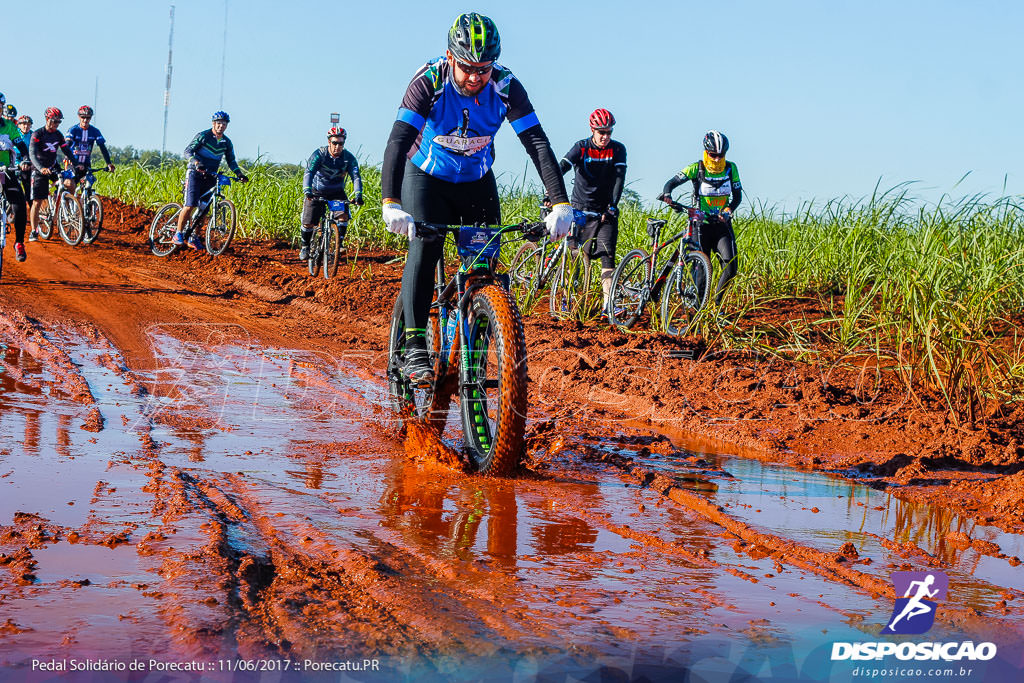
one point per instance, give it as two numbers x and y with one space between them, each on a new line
204 155
323 180
600 164
717 192
437 164
81 137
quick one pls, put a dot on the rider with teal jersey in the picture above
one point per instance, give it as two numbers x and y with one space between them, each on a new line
324 180
204 155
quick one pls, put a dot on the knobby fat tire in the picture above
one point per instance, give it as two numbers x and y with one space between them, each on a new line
493 307
433 408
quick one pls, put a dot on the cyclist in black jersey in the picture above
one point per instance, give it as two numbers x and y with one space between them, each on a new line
42 152
600 164
324 180
717 192
437 165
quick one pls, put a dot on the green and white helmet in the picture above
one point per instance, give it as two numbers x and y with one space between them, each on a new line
474 38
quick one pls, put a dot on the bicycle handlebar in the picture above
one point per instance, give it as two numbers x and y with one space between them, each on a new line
528 229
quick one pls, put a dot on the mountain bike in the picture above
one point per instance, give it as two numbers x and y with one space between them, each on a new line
477 347
532 267
576 287
92 207
681 284
67 215
325 244
220 228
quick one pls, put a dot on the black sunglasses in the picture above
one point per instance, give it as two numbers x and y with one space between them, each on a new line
603 131
466 68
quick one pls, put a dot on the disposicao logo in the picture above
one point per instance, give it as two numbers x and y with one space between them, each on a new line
915 611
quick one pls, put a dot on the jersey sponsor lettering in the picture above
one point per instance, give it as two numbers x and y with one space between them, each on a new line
81 141
456 140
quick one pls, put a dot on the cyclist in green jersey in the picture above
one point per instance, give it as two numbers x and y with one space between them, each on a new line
717 192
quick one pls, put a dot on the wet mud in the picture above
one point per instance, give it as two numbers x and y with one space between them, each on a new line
198 462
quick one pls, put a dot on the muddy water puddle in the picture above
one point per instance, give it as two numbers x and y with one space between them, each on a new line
826 511
251 492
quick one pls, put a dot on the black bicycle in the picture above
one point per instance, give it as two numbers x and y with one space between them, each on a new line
477 348
568 269
92 207
220 229
681 284
325 244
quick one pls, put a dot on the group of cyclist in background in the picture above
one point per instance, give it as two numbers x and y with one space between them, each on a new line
437 169
30 167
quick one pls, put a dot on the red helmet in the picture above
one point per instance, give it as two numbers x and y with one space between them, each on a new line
602 118
337 132
85 110
54 113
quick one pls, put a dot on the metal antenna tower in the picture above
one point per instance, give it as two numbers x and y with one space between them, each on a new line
223 53
167 87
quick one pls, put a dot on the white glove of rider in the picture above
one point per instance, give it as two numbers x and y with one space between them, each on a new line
559 221
398 221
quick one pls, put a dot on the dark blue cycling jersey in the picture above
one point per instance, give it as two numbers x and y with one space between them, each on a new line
81 141
205 152
456 140
325 175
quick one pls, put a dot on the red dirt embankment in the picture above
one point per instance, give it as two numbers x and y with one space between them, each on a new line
837 416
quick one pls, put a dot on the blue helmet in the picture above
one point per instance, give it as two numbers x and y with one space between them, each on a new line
221 116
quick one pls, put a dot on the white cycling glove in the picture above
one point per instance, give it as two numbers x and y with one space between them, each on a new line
559 221
398 221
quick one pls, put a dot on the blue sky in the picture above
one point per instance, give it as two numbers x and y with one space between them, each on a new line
819 99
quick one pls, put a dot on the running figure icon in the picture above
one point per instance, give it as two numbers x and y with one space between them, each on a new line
920 591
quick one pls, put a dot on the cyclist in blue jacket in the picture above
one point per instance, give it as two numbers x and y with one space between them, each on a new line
204 155
81 137
324 180
437 165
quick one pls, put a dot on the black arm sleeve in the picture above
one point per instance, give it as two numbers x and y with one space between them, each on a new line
737 197
673 182
539 149
403 137
564 166
620 182
23 148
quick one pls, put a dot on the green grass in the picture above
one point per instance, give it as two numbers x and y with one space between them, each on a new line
932 293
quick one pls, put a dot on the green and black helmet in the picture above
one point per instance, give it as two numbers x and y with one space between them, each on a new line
474 38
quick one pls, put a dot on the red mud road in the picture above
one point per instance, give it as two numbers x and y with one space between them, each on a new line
198 469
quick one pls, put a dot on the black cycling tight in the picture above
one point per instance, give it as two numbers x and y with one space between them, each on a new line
431 200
